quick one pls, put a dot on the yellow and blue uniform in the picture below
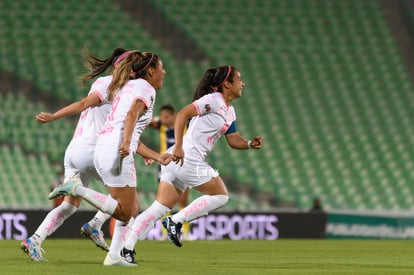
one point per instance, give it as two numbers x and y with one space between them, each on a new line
167 138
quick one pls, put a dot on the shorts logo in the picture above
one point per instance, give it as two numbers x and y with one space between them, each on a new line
205 171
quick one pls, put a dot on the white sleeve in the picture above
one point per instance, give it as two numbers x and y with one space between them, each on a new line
145 95
206 104
97 88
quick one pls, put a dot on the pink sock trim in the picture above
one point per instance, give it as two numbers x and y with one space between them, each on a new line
194 208
100 197
54 222
144 224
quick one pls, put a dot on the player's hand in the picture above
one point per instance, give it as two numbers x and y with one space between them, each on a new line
178 156
44 117
165 159
148 161
256 143
124 149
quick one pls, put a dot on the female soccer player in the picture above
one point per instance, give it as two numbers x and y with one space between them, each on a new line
212 116
79 154
136 77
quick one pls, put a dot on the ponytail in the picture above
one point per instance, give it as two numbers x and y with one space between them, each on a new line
98 66
213 80
134 65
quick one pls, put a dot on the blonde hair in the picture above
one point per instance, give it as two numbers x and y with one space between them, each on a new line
134 66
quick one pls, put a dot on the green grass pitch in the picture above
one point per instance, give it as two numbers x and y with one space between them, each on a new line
220 257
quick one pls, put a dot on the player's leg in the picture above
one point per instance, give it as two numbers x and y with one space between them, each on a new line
93 228
121 235
32 246
163 230
93 231
126 198
54 219
121 182
182 203
167 196
215 196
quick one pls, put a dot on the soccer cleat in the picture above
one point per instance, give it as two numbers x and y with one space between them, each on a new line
174 230
32 250
128 255
66 189
116 262
95 235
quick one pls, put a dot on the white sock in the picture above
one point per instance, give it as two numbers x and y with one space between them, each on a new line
103 202
99 219
200 207
120 231
126 234
53 221
144 223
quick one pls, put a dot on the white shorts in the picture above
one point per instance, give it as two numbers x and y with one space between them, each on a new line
78 161
191 174
114 171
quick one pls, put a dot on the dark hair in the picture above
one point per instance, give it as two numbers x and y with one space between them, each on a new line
169 108
213 80
134 66
97 66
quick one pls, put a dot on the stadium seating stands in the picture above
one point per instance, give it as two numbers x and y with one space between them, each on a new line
325 86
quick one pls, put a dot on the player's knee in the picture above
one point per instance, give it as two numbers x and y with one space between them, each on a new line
135 210
67 209
222 199
123 214
124 217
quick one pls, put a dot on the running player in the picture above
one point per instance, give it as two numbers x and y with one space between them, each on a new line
79 154
165 125
212 116
137 77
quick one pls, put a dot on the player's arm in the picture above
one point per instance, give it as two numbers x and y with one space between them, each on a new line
137 109
77 107
238 142
148 153
180 124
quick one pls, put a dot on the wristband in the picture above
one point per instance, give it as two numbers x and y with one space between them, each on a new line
249 144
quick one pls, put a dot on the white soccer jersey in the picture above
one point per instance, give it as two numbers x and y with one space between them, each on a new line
112 132
213 120
92 120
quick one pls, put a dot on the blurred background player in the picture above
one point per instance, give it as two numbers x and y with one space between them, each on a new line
164 123
316 206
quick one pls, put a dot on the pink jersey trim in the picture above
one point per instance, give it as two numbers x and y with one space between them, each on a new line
197 108
224 128
101 98
143 99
